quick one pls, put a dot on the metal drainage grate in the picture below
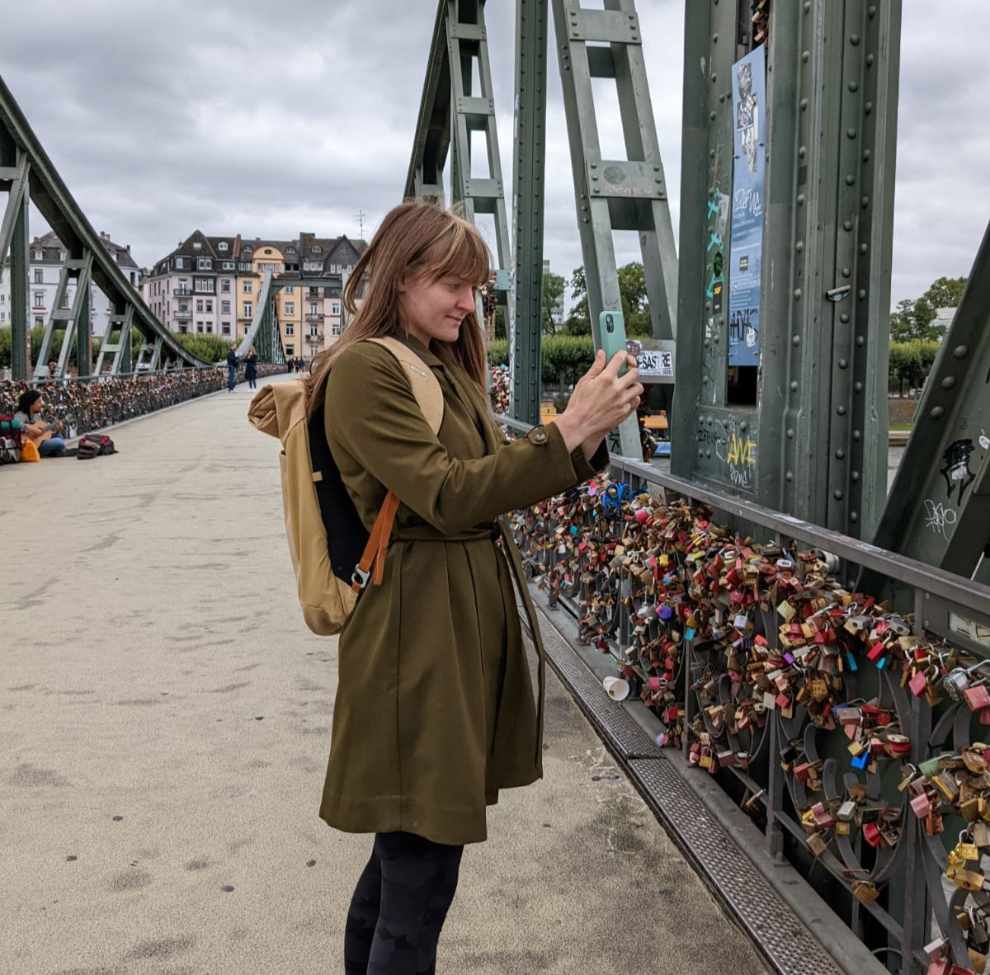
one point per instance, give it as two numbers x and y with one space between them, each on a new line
610 718
777 931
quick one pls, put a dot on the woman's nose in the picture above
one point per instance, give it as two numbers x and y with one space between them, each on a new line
465 299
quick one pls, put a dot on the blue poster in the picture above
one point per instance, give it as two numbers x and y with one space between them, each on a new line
749 166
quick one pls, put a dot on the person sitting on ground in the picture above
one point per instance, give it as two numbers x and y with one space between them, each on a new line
49 437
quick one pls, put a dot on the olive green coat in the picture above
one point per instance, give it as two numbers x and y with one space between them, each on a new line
434 710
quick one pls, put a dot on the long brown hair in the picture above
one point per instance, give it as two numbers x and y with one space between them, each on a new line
413 239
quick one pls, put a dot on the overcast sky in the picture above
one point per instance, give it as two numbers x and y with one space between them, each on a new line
269 120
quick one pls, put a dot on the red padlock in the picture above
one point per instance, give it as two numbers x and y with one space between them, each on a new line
872 834
977 697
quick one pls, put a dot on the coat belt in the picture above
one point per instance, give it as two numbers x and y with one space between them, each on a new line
427 533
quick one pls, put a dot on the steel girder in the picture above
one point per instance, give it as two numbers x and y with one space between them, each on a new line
264 333
449 112
811 440
938 510
524 335
30 175
611 195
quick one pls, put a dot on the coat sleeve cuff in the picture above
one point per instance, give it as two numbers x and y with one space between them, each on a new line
585 469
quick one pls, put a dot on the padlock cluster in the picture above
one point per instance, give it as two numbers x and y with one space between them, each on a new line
761 21
499 389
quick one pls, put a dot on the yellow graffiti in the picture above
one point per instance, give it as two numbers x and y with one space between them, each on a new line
742 452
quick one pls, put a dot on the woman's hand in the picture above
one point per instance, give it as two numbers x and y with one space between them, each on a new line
601 400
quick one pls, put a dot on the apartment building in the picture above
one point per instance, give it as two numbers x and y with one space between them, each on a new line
211 285
47 257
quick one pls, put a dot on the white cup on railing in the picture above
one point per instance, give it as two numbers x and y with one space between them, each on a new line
616 688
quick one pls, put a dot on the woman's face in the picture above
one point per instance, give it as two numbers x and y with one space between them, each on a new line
36 406
435 309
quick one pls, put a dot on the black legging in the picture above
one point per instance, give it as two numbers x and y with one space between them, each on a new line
399 906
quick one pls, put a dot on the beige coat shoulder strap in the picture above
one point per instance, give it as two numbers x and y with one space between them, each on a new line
424 384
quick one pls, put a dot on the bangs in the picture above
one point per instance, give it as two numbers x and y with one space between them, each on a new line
461 252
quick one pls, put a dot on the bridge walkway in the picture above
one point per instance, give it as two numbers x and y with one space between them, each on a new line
164 729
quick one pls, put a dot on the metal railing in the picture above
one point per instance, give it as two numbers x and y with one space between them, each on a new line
907 875
94 402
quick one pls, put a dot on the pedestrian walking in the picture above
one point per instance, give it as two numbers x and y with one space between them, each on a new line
434 711
251 368
231 369
291 362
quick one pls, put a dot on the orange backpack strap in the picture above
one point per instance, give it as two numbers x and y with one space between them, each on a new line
377 547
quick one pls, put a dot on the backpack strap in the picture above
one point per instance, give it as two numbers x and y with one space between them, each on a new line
429 396
424 384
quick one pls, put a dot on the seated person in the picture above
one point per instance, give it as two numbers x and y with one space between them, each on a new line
48 436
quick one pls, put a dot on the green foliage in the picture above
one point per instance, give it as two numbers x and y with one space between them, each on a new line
209 348
565 358
579 321
914 318
632 292
553 302
5 339
910 363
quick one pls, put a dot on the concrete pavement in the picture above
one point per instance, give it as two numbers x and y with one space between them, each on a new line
164 729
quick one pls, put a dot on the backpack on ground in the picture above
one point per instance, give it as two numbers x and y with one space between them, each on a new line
10 440
333 554
94 445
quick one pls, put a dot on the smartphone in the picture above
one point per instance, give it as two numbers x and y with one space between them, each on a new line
612 329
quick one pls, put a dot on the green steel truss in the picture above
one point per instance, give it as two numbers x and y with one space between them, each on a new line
610 195
27 175
264 333
807 434
450 111
939 507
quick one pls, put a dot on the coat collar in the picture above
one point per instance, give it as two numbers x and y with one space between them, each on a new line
427 355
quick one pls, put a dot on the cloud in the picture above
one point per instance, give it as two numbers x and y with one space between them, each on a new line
271 119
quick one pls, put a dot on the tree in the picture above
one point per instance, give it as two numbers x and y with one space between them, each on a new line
632 293
553 301
579 321
209 348
914 318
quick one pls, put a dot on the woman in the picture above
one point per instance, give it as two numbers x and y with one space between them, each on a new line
434 711
46 435
251 368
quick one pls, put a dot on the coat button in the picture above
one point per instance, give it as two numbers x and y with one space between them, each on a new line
538 435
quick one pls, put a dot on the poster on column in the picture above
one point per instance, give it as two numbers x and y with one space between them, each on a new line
749 134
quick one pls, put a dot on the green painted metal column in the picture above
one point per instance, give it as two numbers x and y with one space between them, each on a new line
526 324
15 171
801 426
939 506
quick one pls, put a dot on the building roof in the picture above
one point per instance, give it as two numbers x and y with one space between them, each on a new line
51 241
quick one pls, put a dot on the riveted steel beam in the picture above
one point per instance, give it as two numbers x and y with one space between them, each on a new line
938 510
116 340
786 401
264 333
532 29
15 180
52 198
450 110
610 195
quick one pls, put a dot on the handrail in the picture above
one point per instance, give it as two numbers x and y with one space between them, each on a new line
963 592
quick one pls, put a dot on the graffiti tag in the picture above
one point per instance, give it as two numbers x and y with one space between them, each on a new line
939 519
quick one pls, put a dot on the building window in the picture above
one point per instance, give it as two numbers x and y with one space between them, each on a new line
335 307
199 306
39 299
38 320
204 286
313 310
247 309
225 307
229 265
180 263
199 327
197 245
290 308
204 264
248 287
183 330
290 350
314 332
226 328
225 286
335 328
209 307
39 276
290 330
222 246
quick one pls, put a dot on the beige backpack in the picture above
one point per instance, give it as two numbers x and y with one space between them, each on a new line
333 554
